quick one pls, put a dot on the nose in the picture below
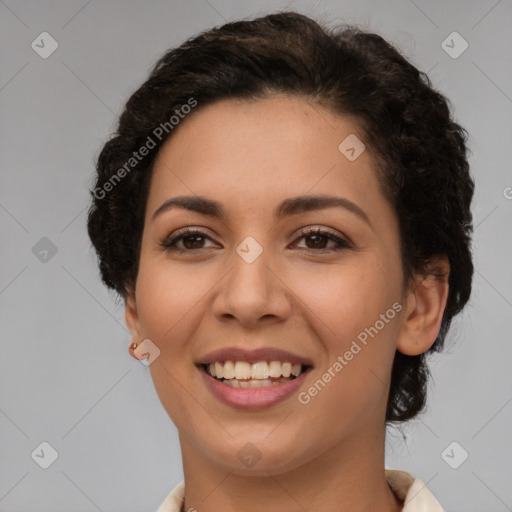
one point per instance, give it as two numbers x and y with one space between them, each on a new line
253 293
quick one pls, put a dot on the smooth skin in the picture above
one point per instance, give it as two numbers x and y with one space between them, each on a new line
300 294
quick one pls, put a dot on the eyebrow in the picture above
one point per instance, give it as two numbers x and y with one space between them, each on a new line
291 206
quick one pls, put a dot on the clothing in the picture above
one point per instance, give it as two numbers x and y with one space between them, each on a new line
411 491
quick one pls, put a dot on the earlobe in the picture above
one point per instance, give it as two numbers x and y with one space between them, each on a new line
424 311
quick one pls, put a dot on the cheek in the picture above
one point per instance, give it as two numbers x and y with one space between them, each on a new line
345 299
352 310
168 294
169 307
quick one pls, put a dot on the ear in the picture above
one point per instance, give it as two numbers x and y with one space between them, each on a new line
132 315
425 304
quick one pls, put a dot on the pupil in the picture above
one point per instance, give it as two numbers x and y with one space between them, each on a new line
196 238
317 237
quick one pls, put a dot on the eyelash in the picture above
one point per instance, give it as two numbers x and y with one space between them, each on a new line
170 243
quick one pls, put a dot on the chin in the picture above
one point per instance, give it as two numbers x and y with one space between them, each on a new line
253 456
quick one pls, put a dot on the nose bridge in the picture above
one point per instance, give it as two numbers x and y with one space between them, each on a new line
251 290
249 279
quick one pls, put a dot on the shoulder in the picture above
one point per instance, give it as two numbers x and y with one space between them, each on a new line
413 492
175 500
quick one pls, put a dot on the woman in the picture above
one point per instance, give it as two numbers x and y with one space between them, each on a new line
285 210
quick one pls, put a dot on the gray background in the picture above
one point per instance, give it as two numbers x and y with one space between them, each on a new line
65 373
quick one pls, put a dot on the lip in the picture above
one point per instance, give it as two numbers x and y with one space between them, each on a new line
252 398
253 356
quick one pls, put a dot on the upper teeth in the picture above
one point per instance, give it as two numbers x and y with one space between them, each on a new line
260 370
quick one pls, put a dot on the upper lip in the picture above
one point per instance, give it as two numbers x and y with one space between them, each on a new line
253 356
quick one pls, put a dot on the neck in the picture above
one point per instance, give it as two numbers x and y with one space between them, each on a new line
348 477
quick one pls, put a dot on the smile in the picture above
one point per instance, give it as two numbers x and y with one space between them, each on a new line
254 393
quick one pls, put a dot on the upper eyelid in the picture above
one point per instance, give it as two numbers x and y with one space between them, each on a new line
301 231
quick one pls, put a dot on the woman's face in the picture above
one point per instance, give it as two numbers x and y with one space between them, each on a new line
252 280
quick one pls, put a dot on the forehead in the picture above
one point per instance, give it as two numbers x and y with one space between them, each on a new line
252 153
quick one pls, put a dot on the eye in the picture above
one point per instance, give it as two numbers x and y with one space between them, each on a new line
318 239
191 239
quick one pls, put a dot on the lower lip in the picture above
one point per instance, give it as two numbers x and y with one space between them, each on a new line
252 398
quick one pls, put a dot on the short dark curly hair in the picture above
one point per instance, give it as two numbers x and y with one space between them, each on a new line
419 150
